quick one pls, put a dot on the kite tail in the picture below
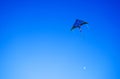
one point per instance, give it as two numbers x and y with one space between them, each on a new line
71 29
87 26
80 30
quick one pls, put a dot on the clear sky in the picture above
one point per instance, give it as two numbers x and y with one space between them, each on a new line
36 41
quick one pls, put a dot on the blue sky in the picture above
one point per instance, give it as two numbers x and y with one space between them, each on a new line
36 41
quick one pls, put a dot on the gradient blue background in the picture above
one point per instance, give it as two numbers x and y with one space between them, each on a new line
36 41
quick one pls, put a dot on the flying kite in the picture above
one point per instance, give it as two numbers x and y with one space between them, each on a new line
78 23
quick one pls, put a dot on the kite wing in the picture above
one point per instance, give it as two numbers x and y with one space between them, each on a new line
73 28
78 23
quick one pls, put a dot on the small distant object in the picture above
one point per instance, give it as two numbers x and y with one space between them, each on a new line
78 23
84 67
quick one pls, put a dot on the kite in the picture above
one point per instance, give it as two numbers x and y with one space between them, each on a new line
78 23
